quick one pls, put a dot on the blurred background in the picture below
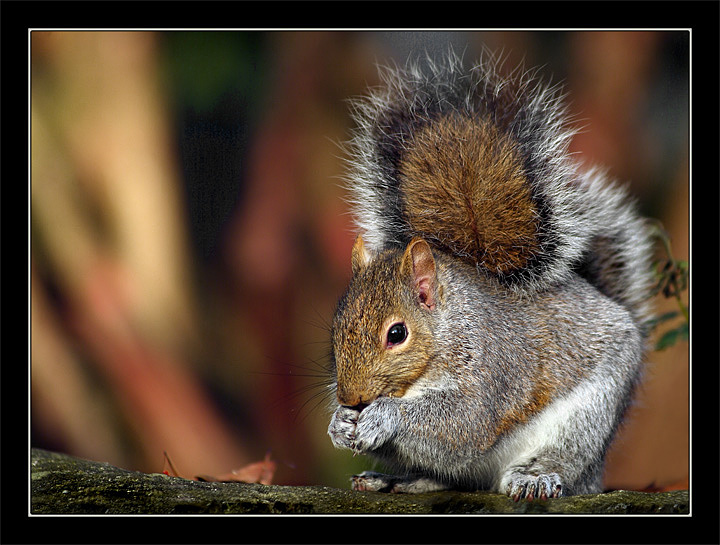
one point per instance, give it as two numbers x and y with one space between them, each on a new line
189 238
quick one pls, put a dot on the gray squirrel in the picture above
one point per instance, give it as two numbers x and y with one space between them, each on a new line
494 328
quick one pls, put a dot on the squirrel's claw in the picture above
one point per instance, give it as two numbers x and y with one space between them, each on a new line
532 487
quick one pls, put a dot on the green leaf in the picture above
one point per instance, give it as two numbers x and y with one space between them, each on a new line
669 338
662 318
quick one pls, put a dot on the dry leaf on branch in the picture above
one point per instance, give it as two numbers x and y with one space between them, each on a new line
258 472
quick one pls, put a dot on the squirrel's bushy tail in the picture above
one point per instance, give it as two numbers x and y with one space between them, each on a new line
478 164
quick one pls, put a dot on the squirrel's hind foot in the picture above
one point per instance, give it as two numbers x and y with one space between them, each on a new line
371 481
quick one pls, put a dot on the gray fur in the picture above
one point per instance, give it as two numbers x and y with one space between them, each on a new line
486 358
576 322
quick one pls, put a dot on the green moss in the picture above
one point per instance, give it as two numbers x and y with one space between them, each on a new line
62 484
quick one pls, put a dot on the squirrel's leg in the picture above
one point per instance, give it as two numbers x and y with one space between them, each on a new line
562 450
380 482
554 455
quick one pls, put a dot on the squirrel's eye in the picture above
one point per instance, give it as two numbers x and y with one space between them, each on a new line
396 334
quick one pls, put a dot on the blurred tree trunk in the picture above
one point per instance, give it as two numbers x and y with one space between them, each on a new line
111 273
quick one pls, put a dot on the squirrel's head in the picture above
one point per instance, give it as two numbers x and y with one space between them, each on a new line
382 328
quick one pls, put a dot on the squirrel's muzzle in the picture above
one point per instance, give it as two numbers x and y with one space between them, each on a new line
354 397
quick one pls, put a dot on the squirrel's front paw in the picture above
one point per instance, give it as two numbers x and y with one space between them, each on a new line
375 425
518 485
342 427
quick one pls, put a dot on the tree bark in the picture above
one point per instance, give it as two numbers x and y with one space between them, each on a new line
62 484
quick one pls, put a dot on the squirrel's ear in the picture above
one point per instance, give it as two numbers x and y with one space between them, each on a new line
419 263
360 255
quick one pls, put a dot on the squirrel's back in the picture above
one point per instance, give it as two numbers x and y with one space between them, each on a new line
478 164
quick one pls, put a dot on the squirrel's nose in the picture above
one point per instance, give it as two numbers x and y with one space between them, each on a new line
354 400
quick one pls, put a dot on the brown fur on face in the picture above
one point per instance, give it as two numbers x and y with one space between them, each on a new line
384 290
464 177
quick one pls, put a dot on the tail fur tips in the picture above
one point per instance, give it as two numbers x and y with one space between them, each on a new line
477 163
